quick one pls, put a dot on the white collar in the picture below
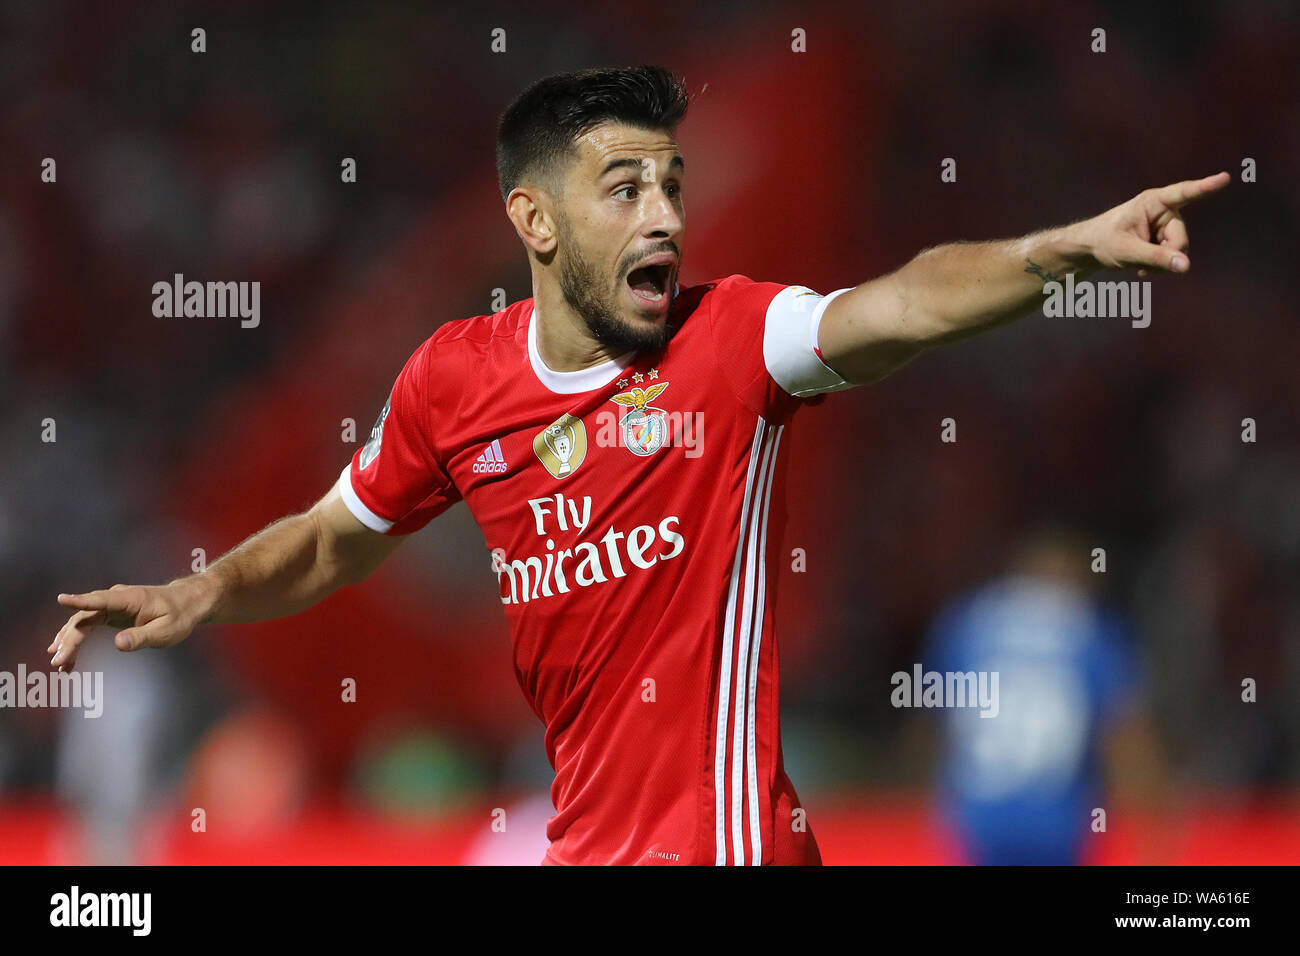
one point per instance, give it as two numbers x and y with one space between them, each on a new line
571 383
584 379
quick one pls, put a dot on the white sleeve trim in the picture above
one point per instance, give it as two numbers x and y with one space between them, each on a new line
357 507
790 342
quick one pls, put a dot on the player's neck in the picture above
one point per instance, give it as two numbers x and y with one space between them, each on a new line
564 342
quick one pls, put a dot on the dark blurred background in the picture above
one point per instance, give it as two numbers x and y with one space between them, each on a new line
821 168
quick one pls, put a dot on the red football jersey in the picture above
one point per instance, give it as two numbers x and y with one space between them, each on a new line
631 509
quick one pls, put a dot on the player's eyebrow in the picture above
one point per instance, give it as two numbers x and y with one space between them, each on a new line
675 163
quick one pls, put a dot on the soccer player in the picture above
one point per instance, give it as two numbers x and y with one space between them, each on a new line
1019 788
617 437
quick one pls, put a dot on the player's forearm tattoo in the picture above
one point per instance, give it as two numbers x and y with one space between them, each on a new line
1042 273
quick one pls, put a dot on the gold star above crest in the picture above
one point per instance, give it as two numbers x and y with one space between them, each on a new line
622 383
654 373
638 377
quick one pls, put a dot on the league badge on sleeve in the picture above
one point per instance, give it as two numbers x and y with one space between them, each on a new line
371 448
644 427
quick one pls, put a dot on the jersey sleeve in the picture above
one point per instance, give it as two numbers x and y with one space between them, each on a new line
765 336
394 484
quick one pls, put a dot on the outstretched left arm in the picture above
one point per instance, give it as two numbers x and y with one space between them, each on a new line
953 291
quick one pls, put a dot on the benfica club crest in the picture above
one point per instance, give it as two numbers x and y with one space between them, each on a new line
644 427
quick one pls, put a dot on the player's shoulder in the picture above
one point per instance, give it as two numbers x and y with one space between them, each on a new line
469 342
715 297
739 293
736 286
479 333
738 306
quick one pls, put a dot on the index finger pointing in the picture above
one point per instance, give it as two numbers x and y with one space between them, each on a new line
94 601
1179 194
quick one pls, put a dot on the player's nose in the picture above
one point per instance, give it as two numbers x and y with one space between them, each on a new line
664 220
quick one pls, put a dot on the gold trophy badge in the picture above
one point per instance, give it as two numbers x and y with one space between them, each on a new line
562 445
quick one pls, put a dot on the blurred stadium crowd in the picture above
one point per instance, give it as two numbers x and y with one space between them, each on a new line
820 168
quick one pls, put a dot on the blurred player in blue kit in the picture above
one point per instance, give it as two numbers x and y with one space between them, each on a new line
1020 786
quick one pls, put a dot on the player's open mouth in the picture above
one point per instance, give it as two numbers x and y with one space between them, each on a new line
649 284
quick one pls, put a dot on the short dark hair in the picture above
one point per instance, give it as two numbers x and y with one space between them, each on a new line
538 130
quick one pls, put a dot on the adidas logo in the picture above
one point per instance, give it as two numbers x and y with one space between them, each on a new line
492 460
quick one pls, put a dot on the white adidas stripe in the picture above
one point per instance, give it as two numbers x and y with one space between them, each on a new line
492 453
724 667
755 830
744 638
753 529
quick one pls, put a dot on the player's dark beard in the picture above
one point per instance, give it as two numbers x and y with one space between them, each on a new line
587 294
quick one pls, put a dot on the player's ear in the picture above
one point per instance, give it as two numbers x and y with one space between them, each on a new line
529 210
